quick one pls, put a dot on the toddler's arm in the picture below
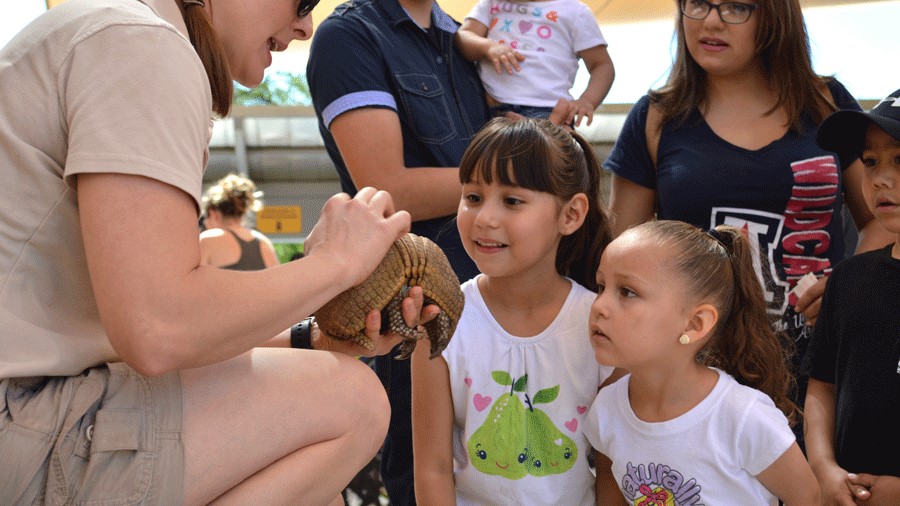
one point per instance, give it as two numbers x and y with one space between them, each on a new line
791 479
819 416
432 422
472 41
602 72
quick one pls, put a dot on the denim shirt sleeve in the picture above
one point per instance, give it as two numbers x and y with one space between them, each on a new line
346 71
362 59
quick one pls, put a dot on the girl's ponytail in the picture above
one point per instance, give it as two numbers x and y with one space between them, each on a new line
212 54
744 343
579 253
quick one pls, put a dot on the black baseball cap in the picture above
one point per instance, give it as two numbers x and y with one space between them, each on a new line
845 131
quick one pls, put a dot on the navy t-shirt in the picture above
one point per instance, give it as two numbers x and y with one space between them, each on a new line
788 194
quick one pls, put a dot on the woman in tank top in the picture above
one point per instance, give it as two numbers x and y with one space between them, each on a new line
227 242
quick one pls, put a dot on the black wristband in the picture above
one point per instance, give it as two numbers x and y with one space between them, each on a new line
301 334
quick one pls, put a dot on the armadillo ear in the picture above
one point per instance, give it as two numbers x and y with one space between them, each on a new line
572 214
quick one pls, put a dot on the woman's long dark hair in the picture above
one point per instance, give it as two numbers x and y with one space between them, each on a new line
540 156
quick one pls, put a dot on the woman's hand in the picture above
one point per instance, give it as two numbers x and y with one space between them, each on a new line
414 314
357 232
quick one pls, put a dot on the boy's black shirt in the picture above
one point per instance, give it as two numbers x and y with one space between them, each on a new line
856 347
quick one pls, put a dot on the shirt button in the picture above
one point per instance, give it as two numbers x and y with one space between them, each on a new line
439 60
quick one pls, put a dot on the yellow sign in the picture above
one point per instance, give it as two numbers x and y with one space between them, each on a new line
280 220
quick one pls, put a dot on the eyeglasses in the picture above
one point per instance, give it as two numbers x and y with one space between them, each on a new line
305 7
733 13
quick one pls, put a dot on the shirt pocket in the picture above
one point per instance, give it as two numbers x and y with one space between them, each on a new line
425 107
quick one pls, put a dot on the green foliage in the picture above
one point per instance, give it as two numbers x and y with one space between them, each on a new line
277 88
287 250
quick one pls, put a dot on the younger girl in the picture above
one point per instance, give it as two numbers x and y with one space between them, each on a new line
695 421
498 418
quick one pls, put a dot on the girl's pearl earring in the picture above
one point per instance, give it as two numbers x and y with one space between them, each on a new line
684 339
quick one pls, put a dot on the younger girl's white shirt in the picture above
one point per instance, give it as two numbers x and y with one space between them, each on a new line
710 455
487 366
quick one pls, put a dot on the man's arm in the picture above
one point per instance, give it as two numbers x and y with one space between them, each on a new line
371 143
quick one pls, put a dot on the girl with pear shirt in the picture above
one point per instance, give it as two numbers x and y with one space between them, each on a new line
498 418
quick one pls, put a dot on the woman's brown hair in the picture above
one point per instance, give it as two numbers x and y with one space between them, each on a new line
782 44
540 156
212 54
717 267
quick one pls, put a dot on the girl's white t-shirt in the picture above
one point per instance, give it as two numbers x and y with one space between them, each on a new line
520 405
710 455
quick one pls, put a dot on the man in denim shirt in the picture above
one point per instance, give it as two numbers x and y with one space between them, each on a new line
397 106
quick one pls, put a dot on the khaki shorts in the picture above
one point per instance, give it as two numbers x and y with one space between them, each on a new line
108 436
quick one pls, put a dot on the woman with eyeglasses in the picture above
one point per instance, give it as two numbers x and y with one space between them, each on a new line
130 373
730 140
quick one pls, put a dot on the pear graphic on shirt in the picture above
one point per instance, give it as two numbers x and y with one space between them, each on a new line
549 450
498 446
516 440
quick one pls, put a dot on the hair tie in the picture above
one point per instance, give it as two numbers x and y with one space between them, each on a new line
185 3
719 238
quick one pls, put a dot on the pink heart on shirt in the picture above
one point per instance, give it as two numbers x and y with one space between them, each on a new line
581 409
468 382
572 424
481 402
524 26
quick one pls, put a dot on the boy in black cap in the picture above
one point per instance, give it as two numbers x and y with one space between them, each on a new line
852 411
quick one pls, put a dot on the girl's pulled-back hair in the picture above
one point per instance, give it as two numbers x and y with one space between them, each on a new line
233 196
717 267
782 45
540 156
212 54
